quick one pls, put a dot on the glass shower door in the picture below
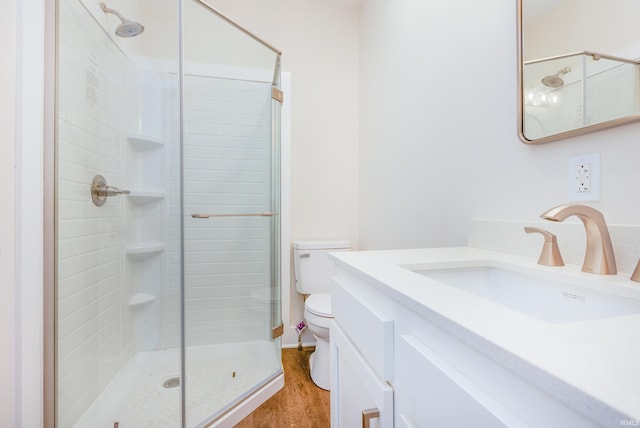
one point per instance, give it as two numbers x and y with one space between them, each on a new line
231 215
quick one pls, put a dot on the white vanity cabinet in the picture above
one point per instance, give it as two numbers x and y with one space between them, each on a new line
407 363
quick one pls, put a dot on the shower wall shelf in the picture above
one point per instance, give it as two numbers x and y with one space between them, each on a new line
140 299
145 196
144 250
144 142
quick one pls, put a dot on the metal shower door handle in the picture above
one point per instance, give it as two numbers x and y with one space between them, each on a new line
264 214
100 191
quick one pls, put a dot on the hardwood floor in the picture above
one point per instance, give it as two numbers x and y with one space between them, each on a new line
300 404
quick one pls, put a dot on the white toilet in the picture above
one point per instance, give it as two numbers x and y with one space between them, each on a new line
313 271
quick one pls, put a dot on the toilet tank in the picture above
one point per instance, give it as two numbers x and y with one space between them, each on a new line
311 264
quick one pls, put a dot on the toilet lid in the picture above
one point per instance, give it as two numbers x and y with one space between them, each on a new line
319 304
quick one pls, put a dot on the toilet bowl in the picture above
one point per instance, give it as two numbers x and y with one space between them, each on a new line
313 270
317 314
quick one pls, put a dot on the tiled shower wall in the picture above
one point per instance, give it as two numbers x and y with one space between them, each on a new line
612 93
91 347
227 139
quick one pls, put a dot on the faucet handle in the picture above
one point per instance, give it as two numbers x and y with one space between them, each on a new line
550 255
635 276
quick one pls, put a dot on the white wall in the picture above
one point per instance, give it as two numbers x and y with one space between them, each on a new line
7 219
579 25
23 247
319 41
431 75
438 141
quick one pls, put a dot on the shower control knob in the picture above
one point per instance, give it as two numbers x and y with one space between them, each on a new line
100 191
111 191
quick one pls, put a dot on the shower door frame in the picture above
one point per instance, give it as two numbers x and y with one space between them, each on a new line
46 403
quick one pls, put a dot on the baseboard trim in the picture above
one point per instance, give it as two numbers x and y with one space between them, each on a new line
248 405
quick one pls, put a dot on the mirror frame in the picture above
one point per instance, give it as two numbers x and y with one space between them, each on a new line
562 135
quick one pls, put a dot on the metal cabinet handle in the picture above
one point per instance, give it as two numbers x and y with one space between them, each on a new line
100 191
369 414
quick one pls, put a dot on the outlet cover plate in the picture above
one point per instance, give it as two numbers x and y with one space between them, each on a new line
584 178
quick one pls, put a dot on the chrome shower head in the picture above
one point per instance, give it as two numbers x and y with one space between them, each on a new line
555 80
126 28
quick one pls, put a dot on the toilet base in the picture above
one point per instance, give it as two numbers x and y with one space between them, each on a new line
319 365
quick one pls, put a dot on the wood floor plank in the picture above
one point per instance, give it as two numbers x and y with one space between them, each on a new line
300 404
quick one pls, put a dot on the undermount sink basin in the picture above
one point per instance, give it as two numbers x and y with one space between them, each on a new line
539 297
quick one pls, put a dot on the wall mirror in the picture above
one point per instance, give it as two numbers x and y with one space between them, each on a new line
579 67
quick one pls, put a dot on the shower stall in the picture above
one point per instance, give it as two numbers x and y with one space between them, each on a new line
167 226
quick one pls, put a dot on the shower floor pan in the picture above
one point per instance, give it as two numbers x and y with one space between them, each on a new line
146 391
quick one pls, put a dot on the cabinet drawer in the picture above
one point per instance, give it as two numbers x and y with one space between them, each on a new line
366 326
431 392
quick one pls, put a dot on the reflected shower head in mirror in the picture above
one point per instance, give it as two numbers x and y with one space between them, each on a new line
126 28
555 80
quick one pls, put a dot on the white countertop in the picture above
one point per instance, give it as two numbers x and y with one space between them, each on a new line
594 365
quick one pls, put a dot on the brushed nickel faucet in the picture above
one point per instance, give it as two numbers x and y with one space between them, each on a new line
599 256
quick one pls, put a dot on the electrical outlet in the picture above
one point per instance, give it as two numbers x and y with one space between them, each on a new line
584 177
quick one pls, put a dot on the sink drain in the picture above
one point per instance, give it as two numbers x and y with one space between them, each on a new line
171 382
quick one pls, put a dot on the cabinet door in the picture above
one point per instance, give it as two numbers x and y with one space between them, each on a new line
355 388
432 393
